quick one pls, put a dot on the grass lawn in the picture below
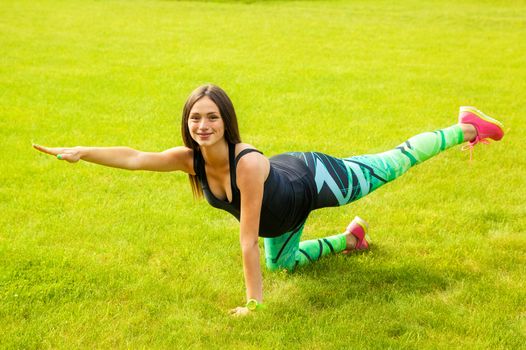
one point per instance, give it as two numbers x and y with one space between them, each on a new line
94 257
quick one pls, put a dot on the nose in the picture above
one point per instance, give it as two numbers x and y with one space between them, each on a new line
203 124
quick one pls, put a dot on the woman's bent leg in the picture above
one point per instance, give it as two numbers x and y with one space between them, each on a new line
287 252
341 181
314 249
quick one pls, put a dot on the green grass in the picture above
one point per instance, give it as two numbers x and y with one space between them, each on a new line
93 257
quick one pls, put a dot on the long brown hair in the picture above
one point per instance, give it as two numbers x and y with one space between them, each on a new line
228 114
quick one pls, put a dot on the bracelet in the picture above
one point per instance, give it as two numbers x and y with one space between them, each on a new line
253 305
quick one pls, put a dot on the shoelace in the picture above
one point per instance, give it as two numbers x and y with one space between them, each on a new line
471 145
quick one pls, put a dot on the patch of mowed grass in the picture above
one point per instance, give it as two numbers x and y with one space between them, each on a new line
99 257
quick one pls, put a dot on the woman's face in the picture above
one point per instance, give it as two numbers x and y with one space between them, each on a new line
205 123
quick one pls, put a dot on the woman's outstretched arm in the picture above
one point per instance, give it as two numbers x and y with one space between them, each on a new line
177 158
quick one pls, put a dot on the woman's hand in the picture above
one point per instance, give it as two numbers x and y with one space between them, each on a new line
71 155
239 311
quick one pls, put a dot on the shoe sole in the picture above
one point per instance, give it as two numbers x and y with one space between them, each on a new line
362 223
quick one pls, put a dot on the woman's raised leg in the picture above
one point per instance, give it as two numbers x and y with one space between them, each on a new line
341 181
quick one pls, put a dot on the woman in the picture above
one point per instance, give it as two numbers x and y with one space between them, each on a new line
273 197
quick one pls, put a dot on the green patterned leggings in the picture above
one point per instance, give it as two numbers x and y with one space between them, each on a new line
340 181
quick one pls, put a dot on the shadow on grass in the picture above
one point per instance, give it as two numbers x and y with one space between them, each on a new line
369 277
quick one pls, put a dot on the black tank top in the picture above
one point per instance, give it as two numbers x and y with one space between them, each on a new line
288 195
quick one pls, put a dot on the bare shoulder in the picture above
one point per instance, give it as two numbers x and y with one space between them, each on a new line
250 158
252 167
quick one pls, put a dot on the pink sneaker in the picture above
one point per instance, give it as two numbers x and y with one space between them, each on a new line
486 127
358 228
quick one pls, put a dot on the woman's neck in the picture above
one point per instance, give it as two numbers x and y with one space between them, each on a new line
216 155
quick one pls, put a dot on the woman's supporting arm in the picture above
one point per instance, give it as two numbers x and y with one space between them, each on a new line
252 170
177 158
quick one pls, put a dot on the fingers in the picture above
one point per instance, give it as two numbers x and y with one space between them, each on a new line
69 154
52 151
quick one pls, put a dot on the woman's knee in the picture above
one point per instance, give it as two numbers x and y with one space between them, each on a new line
279 266
273 267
